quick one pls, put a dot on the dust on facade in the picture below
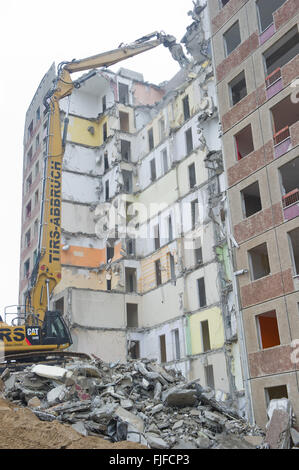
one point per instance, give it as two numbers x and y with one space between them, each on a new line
153 251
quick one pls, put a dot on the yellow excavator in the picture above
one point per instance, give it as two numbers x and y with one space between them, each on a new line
35 328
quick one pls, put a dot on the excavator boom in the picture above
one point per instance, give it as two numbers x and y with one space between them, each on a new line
110 58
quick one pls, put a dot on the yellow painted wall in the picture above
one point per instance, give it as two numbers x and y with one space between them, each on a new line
78 131
213 315
147 280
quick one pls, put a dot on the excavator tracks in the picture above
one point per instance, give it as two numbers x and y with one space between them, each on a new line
16 362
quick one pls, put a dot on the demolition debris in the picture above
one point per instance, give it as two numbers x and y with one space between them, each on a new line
139 401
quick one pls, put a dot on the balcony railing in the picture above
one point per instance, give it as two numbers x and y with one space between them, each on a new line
273 77
291 198
281 135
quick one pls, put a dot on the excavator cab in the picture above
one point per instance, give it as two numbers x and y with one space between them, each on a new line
54 330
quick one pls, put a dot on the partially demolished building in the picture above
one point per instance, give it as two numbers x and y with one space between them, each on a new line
146 247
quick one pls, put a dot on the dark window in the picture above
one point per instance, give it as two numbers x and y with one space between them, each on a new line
26 268
123 91
107 190
223 3
157 237
28 210
194 213
238 89
251 199
109 284
205 335
104 103
289 182
105 132
177 349
201 292
131 280
106 163
172 267
109 253
170 230
192 175
158 272
232 38
27 238
125 150
30 130
124 121
259 262
186 108
151 139
132 315
131 247
163 348
189 141
244 142
165 160
128 181
153 169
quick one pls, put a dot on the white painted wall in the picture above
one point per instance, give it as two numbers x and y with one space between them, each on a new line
79 188
81 159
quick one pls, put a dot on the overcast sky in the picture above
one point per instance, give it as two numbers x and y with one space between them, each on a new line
33 35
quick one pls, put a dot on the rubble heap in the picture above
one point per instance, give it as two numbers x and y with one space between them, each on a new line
138 401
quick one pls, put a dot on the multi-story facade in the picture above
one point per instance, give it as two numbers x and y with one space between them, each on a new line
145 252
255 49
34 144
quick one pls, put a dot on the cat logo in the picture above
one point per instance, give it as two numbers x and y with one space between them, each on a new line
32 335
32 331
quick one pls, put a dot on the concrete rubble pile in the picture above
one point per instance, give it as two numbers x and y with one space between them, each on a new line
139 401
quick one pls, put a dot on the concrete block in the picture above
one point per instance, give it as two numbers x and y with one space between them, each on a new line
278 431
178 397
50 372
129 418
155 442
34 402
56 395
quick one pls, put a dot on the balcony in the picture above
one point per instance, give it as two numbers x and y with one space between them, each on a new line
274 83
289 177
284 115
277 57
